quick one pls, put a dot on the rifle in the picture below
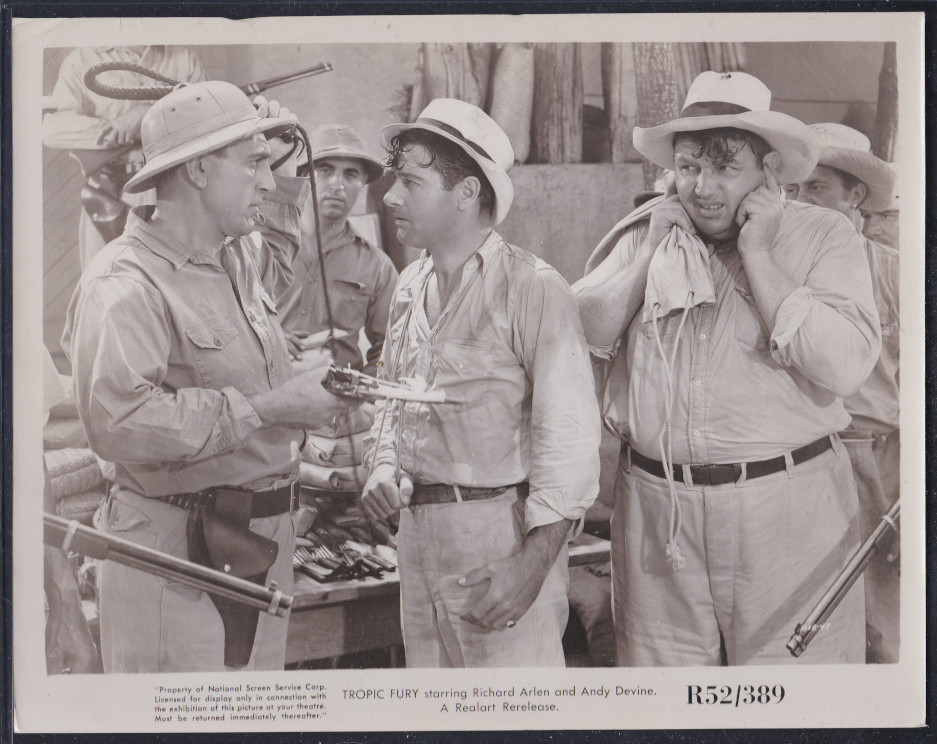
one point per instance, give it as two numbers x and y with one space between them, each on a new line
71 535
91 161
805 631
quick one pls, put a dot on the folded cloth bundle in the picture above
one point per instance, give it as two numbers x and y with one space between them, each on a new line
59 433
73 470
80 506
338 452
332 479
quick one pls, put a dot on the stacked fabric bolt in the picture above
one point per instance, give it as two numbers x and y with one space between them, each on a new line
74 471
332 455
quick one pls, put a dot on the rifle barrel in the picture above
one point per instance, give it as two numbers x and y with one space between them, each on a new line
97 544
806 630
252 89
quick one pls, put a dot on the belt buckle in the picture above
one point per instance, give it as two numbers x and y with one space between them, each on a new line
715 475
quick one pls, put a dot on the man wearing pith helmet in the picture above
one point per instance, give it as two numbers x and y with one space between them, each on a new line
491 483
736 322
361 277
852 181
183 380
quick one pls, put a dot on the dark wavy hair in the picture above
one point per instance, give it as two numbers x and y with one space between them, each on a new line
721 146
449 160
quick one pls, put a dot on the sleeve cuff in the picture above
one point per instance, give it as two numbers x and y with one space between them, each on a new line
244 418
538 513
291 190
790 317
606 352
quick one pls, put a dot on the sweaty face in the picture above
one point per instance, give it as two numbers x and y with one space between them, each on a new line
338 182
238 178
882 227
712 191
824 188
424 209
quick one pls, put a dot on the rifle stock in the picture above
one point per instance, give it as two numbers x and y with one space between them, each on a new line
71 535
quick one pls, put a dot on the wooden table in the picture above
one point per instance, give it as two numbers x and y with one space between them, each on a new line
347 617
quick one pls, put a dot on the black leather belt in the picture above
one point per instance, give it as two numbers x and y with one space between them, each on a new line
269 502
442 493
717 475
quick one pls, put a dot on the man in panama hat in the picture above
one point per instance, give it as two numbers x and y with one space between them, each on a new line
736 323
491 483
851 180
361 277
183 380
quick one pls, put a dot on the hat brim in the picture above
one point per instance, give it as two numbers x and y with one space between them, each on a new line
794 141
499 180
876 174
272 127
374 169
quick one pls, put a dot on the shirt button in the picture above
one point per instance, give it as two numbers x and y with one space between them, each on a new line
217 342
696 433
698 383
702 337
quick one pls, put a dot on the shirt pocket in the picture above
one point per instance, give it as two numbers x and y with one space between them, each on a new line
464 369
350 299
750 330
210 342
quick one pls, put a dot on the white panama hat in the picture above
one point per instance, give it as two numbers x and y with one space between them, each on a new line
477 134
850 151
196 118
739 100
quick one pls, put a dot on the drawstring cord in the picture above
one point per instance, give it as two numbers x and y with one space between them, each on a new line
665 441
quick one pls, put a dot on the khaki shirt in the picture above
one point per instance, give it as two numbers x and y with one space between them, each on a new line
361 284
743 391
166 345
509 352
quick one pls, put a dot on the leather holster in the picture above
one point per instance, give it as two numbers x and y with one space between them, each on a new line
224 542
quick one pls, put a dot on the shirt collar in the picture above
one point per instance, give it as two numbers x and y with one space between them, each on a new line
345 237
160 242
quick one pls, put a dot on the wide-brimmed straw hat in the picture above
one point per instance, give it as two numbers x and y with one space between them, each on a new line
339 141
477 134
194 119
850 151
739 100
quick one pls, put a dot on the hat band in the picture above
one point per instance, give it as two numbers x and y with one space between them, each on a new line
712 108
449 129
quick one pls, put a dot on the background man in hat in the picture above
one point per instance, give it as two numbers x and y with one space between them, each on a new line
743 321
883 227
183 380
361 277
851 180
491 483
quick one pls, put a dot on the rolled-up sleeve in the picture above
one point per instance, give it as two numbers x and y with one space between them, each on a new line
118 332
564 415
279 240
828 329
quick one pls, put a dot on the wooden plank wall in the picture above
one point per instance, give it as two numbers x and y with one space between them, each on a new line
61 185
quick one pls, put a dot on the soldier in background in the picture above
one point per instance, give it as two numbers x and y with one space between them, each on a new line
851 180
361 276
